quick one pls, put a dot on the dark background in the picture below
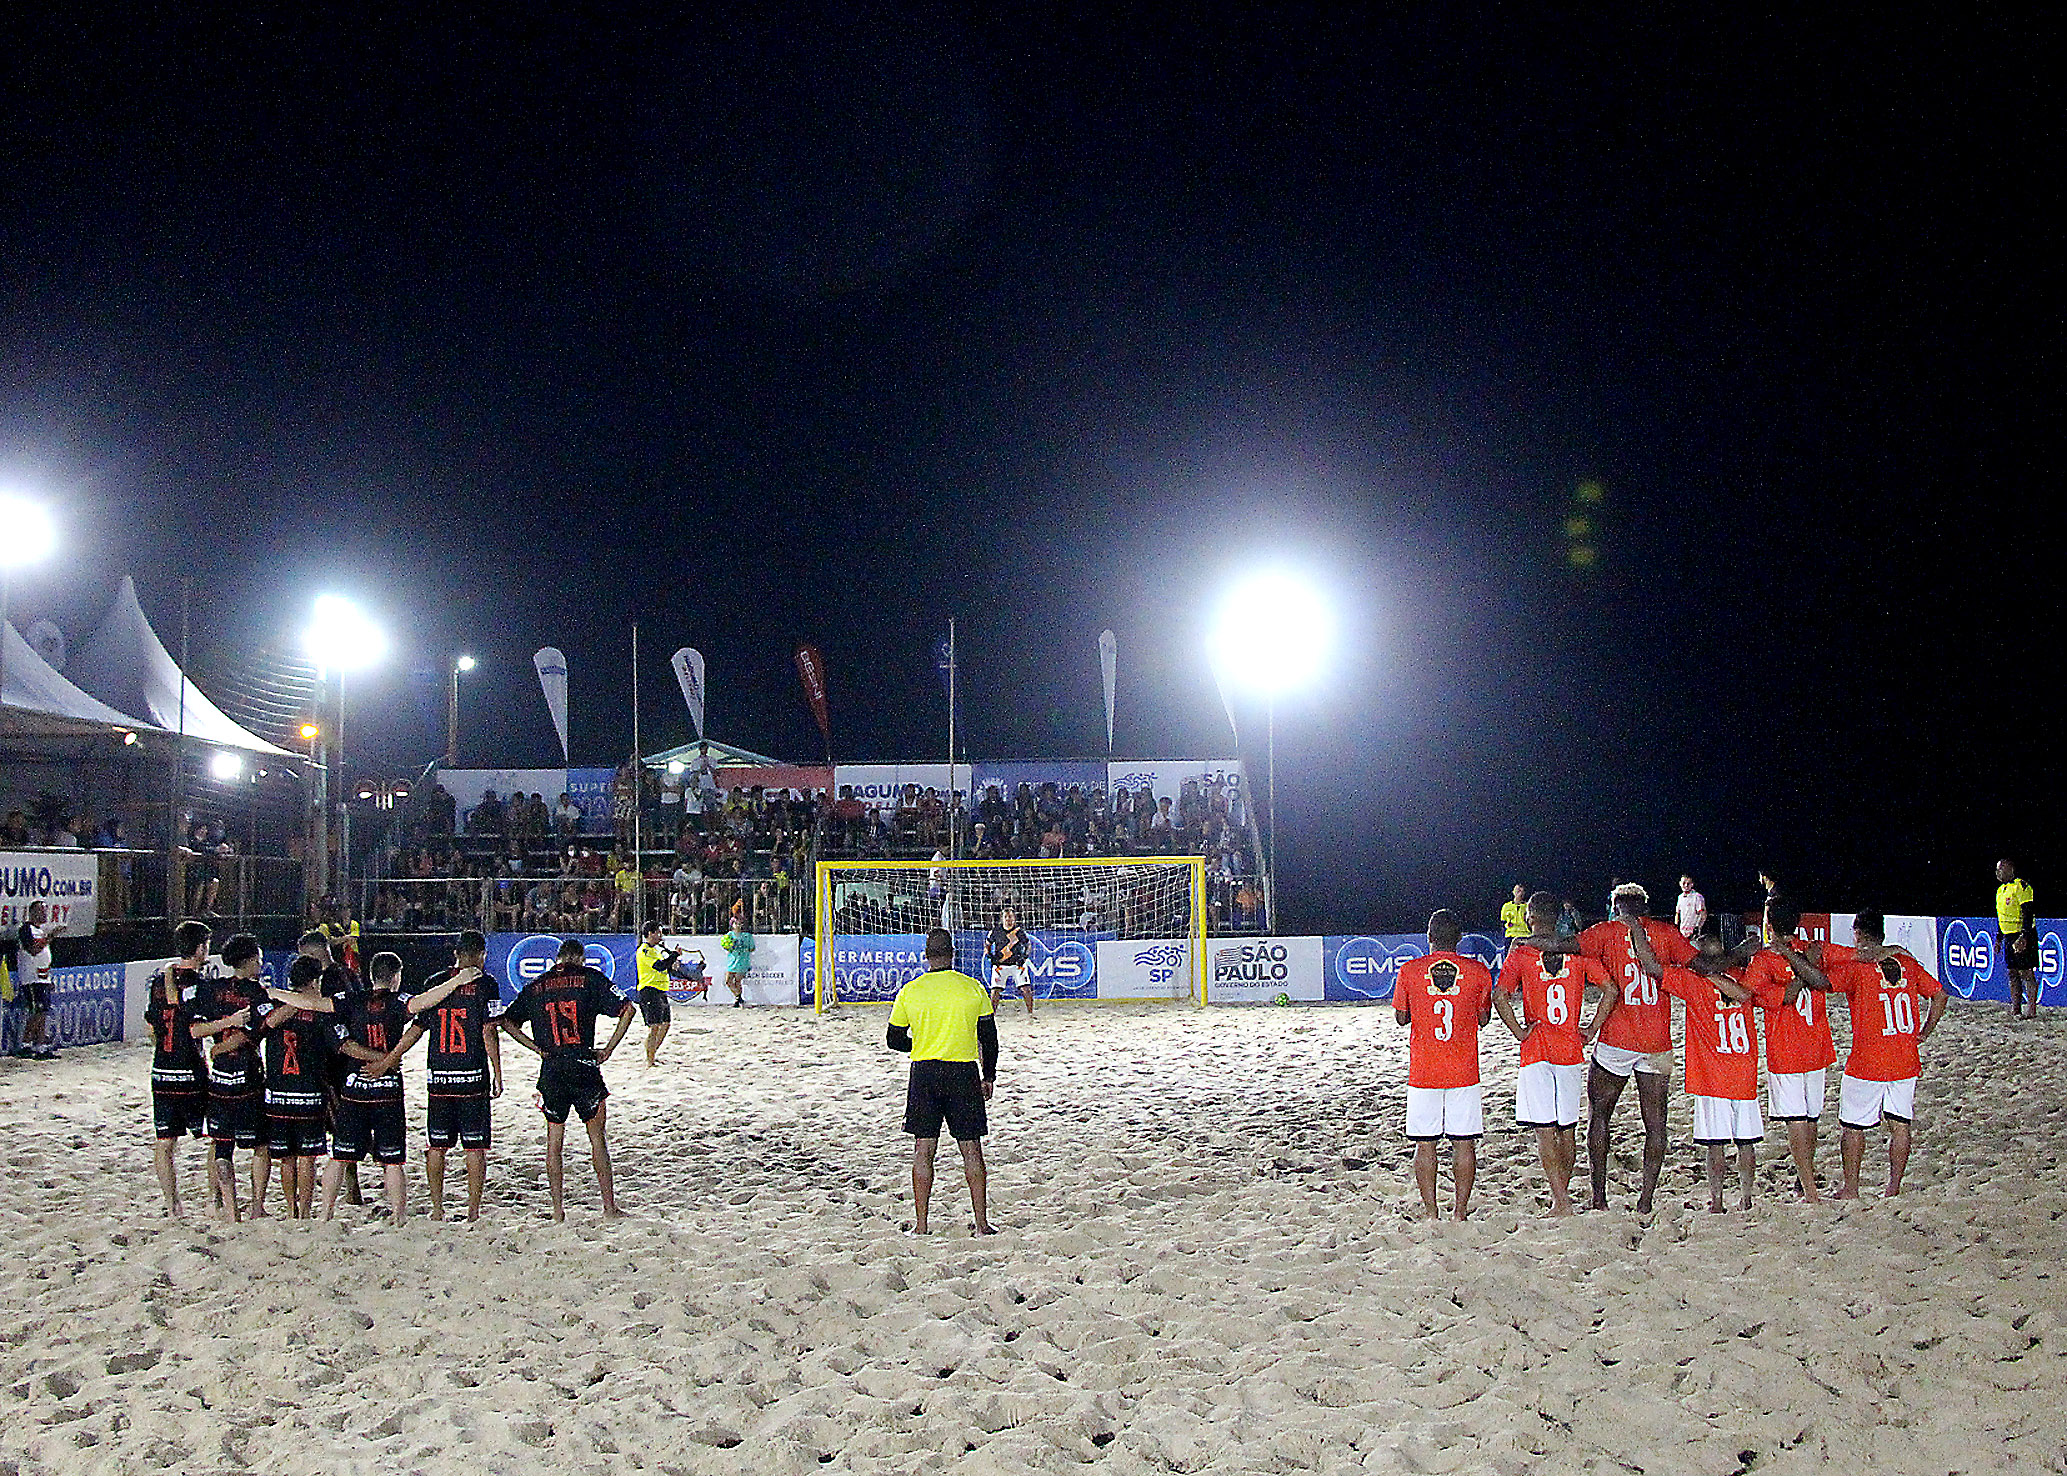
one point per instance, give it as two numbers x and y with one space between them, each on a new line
827 324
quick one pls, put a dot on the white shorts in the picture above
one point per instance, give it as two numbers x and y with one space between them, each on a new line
1862 1104
1549 1096
1726 1120
1617 1061
1796 1096
1008 976
1445 1112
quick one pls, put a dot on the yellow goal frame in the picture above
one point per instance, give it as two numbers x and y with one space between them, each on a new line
825 992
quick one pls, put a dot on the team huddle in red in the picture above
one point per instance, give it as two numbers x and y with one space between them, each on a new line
1638 966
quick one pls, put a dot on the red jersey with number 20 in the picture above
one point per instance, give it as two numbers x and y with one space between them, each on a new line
1444 995
1887 1001
1643 1017
1722 1038
1552 987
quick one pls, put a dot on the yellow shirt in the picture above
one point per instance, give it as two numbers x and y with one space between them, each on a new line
2010 898
651 974
628 881
1514 916
941 1009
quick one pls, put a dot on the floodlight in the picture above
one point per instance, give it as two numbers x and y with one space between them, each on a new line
128 739
1272 633
465 663
309 731
226 765
677 768
27 534
341 637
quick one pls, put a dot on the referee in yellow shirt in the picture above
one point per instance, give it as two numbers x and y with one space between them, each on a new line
1514 917
2016 917
943 1018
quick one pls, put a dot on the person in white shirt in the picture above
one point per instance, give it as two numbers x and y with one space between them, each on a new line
32 953
1691 910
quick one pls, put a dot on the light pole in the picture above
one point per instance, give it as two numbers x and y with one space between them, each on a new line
342 639
27 536
1270 638
459 664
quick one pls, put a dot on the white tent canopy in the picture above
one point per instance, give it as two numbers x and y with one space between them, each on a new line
33 685
125 665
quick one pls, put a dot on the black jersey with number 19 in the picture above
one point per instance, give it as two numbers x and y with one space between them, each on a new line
561 1008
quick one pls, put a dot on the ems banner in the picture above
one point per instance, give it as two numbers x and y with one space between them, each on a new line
66 883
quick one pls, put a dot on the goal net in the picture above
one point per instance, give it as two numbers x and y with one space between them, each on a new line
1097 929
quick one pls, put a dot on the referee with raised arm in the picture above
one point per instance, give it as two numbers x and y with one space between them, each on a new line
943 1019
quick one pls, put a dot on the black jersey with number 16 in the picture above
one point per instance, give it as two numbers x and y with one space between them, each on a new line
456 1031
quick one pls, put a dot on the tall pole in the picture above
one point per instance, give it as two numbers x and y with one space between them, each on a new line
175 793
344 810
452 719
6 600
954 828
638 798
1270 882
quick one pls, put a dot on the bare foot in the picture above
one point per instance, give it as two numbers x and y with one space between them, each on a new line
1560 1211
612 1212
986 1230
1715 1206
1845 1194
437 1214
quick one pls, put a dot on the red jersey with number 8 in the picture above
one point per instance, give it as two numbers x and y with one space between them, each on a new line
1553 989
1643 1017
1444 995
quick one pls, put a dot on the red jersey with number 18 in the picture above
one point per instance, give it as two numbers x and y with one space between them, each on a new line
1643 1018
1444 995
1552 987
1722 1037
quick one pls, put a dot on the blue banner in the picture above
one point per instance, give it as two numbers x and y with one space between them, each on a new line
591 790
1971 965
871 968
517 958
1363 969
85 1008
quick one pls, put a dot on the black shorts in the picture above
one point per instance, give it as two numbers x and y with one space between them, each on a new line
2011 963
379 1127
653 1007
950 1090
35 996
239 1119
568 1083
457 1120
179 1114
294 1137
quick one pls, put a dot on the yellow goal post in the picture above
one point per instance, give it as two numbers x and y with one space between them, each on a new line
1101 929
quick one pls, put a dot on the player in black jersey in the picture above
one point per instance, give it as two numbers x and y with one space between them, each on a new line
226 1014
456 1012
1009 949
561 1007
179 1077
337 986
297 1051
369 1110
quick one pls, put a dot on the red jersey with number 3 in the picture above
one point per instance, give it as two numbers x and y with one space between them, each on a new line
1552 987
1798 1034
1722 1038
1643 1017
1444 994
1887 1004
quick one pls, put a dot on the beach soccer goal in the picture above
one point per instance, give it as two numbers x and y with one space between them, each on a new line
1097 930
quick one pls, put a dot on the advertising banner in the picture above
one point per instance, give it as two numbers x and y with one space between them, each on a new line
1144 968
771 981
86 1008
1165 778
551 665
67 883
879 785
688 668
1970 961
518 958
592 791
1258 970
1008 775
872 967
1363 969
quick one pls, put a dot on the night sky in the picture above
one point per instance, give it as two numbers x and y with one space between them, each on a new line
827 325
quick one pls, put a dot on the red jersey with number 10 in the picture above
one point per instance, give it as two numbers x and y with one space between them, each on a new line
1643 1017
1553 988
1444 995
1887 1001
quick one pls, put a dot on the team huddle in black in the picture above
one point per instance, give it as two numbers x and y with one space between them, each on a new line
312 1069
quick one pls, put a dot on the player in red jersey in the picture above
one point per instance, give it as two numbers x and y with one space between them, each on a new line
1550 1087
1895 1005
1443 998
179 1076
1635 1040
1722 1054
561 1007
1799 1052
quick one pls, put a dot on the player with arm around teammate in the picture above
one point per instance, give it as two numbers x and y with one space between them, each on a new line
1550 1087
1443 998
370 1115
1009 951
297 1045
225 1015
1799 1051
561 1006
179 1076
1895 1005
943 1020
456 1011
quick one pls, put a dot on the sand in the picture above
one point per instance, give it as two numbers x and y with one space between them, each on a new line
1209 1264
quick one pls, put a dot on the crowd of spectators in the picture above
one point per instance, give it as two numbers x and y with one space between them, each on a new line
62 830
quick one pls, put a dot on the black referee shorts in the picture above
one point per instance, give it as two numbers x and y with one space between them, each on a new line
949 1090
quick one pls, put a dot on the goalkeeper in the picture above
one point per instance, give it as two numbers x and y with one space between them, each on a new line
1007 950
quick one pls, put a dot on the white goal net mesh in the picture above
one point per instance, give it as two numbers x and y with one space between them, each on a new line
873 921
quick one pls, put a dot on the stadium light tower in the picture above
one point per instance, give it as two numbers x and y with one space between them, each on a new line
459 664
27 536
341 638
1271 637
